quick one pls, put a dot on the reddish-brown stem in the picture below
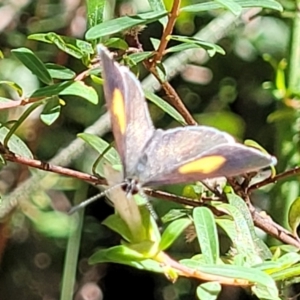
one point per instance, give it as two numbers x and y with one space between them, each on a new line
288 173
193 273
168 30
9 156
173 97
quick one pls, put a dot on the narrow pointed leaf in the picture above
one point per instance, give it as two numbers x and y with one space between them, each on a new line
166 107
172 232
33 63
117 25
72 88
207 234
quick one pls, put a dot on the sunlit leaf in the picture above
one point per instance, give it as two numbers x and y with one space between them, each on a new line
294 216
207 234
51 111
33 63
75 47
138 57
116 43
95 9
101 146
166 107
172 232
60 72
15 144
209 290
212 5
231 5
238 272
159 5
211 48
117 25
13 85
72 88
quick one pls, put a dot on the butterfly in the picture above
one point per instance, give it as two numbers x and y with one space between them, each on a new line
151 156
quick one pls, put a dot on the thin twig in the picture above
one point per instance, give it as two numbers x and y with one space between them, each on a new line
174 99
270 227
45 166
183 270
168 30
286 174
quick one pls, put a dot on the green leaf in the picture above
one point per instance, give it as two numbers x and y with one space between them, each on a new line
166 107
136 58
155 43
13 85
100 145
243 242
15 144
149 223
118 254
116 43
261 248
117 25
291 272
159 5
115 223
33 63
212 5
205 6
124 255
209 47
238 272
231 5
228 226
270 4
294 216
209 290
95 9
172 232
51 111
207 234
72 88
282 263
60 72
161 71
174 214
74 47
181 47
265 292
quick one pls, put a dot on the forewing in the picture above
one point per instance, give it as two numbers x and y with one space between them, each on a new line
196 153
139 124
131 123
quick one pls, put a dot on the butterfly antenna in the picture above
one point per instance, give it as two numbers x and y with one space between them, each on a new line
86 202
150 208
92 199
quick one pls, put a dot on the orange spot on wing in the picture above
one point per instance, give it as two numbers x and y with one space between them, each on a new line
205 165
118 109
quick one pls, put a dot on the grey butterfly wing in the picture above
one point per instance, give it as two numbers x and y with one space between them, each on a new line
140 128
196 153
131 123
